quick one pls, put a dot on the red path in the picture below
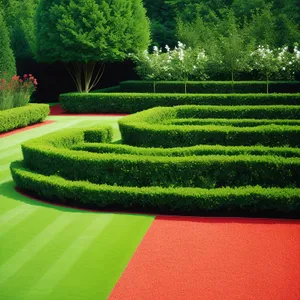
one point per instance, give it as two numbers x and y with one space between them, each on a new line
214 259
5 134
56 110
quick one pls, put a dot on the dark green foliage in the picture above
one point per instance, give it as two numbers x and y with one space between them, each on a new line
231 122
144 128
23 116
7 59
188 201
135 102
210 171
20 19
210 87
188 151
90 30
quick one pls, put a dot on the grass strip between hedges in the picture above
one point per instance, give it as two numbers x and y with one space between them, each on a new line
190 201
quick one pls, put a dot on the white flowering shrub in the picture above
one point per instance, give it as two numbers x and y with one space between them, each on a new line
265 62
180 64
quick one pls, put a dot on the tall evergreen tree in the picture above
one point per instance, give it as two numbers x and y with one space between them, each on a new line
20 20
7 59
84 32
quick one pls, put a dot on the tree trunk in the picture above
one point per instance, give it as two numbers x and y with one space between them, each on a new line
84 75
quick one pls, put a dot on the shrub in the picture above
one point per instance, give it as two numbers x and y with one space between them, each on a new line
135 102
54 157
23 116
187 151
143 129
210 87
248 200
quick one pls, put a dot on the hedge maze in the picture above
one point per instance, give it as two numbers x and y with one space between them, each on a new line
188 160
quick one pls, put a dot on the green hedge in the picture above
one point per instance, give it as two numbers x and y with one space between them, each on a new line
188 151
249 200
210 87
22 116
112 89
144 128
232 122
135 102
210 171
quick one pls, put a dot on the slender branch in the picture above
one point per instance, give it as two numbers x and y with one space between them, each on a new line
98 76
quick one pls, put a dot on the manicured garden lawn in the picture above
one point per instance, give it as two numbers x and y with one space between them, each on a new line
50 252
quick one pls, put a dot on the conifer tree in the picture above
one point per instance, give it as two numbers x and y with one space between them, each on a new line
7 59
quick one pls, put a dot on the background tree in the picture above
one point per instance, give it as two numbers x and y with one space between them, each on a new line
83 32
20 20
7 59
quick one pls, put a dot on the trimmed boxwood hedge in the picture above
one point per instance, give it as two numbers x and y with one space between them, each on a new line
210 87
188 151
210 171
22 116
231 122
185 201
135 102
144 128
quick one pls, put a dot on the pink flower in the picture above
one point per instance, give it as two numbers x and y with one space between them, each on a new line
21 81
35 82
15 77
25 75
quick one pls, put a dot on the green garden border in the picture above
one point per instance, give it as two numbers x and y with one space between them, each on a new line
210 87
135 102
250 201
145 129
55 155
23 116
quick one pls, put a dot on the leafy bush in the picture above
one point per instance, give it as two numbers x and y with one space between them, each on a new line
143 129
188 201
23 116
135 102
187 151
210 87
54 157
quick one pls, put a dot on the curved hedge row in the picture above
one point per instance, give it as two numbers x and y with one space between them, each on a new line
232 122
209 87
145 128
188 201
22 116
135 102
187 151
54 157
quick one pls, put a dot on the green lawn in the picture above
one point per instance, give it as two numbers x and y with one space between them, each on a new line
49 252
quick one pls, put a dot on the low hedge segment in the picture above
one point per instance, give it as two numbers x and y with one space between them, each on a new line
135 102
23 116
187 151
210 87
212 171
232 122
145 129
188 201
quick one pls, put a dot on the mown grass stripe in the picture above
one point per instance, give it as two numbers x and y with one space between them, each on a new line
61 267
9 215
12 265
21 214
18 138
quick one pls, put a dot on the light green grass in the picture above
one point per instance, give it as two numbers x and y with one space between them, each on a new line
49 252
